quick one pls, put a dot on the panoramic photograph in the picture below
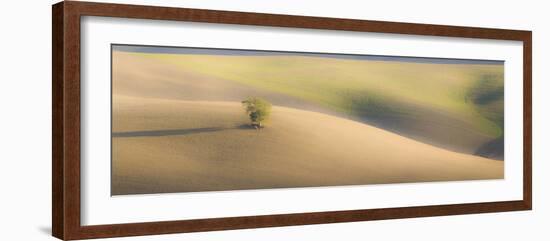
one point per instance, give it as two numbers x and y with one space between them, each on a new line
203 119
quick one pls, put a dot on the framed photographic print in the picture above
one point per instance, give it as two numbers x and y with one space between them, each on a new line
169 120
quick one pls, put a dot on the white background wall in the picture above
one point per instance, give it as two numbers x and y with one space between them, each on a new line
25 119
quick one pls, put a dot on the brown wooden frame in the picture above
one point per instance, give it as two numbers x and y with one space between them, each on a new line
66 119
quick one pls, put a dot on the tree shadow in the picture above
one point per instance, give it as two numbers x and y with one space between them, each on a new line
176 132
245 127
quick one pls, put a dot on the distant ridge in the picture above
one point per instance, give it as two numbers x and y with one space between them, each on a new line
244 52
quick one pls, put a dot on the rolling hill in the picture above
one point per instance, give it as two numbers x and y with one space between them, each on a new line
164 146
454 106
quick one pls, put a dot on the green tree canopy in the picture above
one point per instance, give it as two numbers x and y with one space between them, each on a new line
257 109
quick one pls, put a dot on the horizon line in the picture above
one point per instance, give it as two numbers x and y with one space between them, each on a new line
251 52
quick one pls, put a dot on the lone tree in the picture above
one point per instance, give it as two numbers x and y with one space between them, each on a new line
257 109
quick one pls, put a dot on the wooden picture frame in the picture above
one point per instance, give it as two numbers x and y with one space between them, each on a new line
66 87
